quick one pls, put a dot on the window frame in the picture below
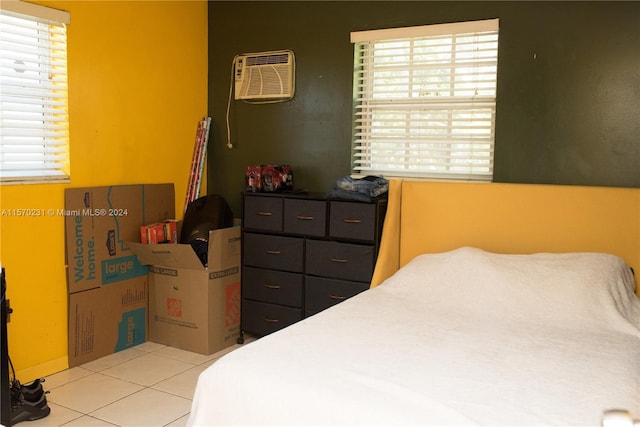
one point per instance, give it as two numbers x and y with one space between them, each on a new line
34 110
383 143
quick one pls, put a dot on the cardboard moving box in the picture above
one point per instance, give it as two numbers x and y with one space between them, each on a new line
193 307
98 223
107 320
107 285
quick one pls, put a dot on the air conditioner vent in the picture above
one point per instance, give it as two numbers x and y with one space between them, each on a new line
267 59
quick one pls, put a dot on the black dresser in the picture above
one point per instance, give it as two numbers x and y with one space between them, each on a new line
302 253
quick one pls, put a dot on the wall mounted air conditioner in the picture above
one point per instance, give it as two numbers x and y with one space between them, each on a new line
265 76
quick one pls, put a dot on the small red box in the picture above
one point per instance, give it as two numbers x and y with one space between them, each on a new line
152 234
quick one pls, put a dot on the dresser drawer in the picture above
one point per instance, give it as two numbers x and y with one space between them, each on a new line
308 217
273 252
261 318
340 260
272 286
321 293
351 220
263 213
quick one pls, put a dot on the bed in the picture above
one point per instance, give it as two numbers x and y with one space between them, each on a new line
461 335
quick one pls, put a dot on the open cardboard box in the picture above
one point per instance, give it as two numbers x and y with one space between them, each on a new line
193 307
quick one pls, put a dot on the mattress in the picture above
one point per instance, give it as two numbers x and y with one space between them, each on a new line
465 337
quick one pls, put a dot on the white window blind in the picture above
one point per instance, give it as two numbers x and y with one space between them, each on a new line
425 100
34 140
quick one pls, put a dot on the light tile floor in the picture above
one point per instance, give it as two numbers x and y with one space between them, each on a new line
147 385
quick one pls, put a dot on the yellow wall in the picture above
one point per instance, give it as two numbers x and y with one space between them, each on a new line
137 88
521 218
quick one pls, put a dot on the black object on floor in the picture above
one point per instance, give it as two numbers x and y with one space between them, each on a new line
28 402
27 410
19 402
5 394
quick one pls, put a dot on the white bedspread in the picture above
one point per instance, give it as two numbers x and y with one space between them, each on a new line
460 338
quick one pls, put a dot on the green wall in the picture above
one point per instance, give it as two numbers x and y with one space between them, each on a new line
568 103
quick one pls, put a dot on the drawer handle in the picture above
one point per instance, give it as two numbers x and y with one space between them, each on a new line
337 297
269 320
305 218
270 286
272 252
339 260
352 221
264 213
